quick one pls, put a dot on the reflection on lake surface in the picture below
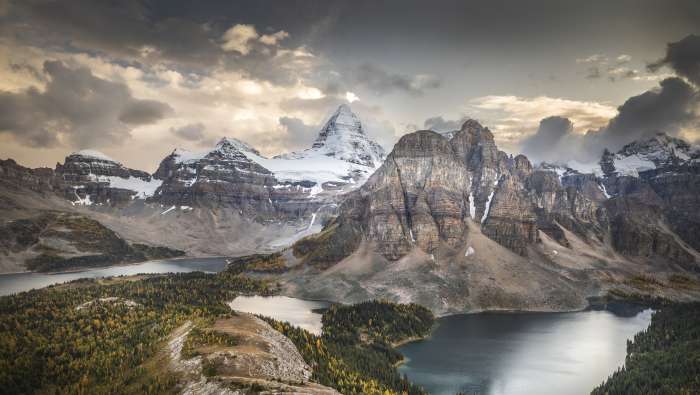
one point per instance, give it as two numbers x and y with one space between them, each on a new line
297 312
18 282
519 353
522 353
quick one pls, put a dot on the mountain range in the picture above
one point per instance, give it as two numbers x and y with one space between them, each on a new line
446 219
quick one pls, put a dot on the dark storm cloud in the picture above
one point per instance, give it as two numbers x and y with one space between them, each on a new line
546 143
668 108
191 132
131 28
382 82
142 112
683 57
440 124
27 68
75 105
665 109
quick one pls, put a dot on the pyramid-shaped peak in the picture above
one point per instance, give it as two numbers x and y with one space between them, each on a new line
343 120
342 137
228 143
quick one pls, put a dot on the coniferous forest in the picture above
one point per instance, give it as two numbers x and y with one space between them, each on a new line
91 336
354 353
664 359
98 336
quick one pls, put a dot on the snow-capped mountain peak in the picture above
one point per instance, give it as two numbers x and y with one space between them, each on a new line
93 155
229 144
342 137
642 155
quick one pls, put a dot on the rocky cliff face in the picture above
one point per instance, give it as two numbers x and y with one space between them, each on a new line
13 175
655 198
225 176
288 187
86 178
89 177
431 188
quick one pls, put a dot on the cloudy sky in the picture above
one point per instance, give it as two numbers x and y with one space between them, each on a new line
135 79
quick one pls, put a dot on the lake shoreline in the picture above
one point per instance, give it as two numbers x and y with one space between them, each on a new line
121 264
14 283
473 352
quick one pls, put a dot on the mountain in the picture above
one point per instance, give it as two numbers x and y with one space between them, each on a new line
446 220
457 225
91 177
658 152
654 181
227 200
287 186
343 138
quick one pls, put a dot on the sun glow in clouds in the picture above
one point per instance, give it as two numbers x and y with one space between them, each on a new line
351 97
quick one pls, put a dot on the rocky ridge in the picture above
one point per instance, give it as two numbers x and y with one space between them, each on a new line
438 206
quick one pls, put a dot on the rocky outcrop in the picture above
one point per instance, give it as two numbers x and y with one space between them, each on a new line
262 361
417 197
89 177
655 204
224 177
431 188
13 175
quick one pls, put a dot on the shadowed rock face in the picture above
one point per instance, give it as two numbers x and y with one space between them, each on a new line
430 186
85 178
223 177
82 179
291 186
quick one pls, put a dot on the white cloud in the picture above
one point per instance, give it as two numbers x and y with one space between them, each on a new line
624 58
514 118
309 93
273 39
242 38
351 97
239 38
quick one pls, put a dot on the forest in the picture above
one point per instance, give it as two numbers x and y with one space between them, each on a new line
354 354
90 336
102 336
664 358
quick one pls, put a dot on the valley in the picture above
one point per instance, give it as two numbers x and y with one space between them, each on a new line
360 266
349 197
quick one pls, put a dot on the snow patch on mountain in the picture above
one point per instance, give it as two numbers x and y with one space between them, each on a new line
342 154
92 154
643 155
343 138
184 156
143 188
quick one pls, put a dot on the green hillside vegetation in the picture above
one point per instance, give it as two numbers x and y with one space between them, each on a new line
65 339
354 354
59 241
663 359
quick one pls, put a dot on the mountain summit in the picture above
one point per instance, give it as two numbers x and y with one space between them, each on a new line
649 154
342 137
